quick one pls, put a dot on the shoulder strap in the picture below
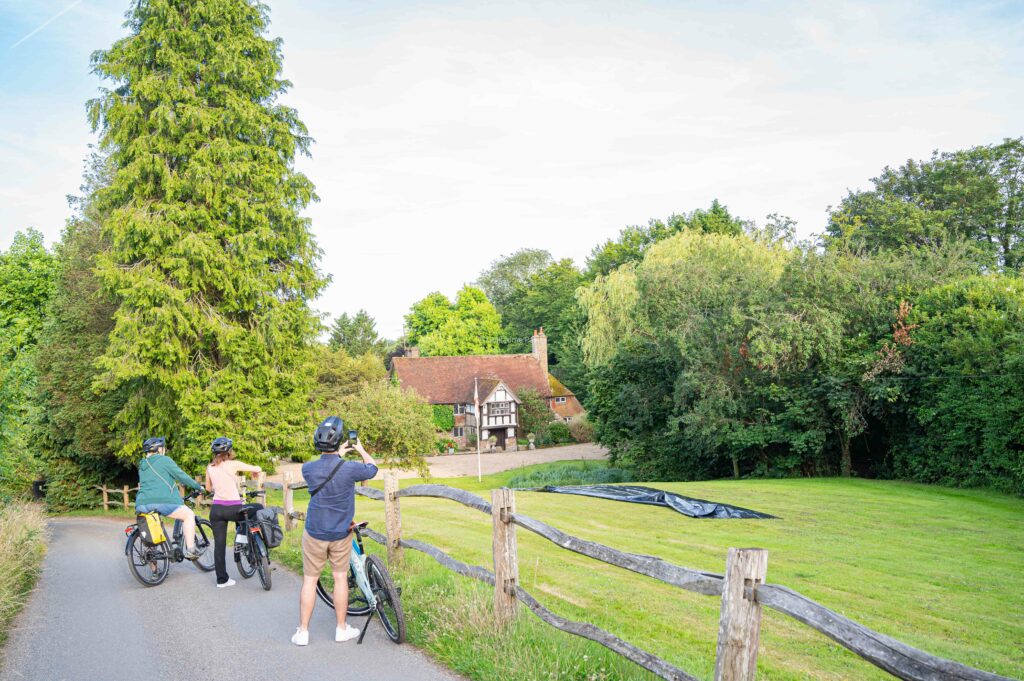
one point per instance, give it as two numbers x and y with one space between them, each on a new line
321 485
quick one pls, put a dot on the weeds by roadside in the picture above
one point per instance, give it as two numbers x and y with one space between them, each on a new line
22 545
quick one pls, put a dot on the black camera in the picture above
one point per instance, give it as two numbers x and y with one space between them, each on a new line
353 436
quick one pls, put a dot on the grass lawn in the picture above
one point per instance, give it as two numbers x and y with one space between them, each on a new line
937 568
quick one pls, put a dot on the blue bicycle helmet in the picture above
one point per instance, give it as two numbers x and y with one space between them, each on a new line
152 444
221 445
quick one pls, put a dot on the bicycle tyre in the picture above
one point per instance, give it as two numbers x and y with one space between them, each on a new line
389 604
244 562
155 558
204 545
357 603
262 558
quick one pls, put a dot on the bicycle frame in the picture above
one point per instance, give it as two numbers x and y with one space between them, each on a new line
357 560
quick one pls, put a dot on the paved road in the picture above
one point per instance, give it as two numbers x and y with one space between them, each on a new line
89 620
460 465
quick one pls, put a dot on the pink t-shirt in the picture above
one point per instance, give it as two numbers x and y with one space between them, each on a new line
223 477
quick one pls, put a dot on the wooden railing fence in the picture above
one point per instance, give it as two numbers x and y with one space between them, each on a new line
742 590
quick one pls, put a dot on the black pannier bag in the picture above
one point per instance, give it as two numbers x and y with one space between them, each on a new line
272 531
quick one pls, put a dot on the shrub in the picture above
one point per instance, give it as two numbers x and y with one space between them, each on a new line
558 433
395 424
582 429
444 417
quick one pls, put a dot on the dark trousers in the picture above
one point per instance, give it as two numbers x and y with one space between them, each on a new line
220 516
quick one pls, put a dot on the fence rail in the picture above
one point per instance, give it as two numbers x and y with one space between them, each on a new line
742 590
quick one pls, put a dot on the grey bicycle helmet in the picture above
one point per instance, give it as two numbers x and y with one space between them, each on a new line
329 434
221 445
154 443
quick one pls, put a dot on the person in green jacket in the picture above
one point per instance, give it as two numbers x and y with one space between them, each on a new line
157 491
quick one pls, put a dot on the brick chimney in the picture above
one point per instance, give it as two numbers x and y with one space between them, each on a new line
414 351
540 348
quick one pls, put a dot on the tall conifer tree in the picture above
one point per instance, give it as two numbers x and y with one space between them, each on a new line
211 263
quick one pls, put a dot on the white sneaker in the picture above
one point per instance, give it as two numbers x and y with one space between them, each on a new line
346 634
230 582
300 637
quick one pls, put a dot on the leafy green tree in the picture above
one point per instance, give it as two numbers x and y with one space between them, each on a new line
634 241
470 326
74 440
960 386
426 316
356 334
28 272
534 413
27 275
395 424
210 261
976 195
339 374
545 299
509 272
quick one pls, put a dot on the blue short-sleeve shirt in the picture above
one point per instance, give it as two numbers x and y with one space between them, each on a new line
331 509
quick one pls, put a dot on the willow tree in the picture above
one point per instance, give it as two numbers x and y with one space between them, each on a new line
211 263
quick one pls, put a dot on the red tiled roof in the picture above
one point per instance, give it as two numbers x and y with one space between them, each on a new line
449 380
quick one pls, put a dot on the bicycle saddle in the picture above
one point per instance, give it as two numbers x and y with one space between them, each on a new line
358 526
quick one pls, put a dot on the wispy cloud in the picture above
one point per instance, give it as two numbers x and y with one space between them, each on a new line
46 23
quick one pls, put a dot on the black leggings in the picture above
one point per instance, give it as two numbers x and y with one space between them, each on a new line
220 516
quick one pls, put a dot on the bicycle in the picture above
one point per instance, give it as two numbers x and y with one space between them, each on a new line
252 554
370 590
150 565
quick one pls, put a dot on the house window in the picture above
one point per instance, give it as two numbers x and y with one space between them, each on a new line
458 432
460 409
568 419
559 400
499 409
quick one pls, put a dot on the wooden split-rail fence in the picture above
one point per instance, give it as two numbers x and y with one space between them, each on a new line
742 590
125 491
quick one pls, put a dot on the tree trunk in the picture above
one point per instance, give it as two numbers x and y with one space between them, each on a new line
846 464
735 467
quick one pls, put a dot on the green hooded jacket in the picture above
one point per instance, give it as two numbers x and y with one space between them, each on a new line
157 475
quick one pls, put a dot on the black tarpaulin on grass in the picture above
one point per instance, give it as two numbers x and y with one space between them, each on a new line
695 508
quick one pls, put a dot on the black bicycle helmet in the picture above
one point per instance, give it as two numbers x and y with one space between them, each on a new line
221 445
152 444
329 434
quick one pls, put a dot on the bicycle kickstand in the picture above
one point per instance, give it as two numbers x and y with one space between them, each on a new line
366 625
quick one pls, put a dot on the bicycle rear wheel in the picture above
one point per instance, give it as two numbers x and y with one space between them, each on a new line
149 565
262 558
204 545
389 605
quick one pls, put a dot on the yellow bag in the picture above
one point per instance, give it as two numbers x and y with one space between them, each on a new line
151 530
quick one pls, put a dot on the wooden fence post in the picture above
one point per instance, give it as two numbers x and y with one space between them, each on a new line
124 494
289 502
739 626
392 517
106 499
506 562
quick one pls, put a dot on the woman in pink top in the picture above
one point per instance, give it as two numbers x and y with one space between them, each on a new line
221 480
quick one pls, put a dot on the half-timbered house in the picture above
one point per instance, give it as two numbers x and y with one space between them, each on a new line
492 382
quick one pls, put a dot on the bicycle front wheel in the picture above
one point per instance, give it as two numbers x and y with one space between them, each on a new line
389 605
149 565
262 558
204 545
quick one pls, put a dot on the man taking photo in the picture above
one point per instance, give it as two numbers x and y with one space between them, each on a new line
332 482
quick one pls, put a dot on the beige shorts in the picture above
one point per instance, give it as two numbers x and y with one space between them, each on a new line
316 553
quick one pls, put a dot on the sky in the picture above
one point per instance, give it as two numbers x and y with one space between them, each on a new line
451 133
